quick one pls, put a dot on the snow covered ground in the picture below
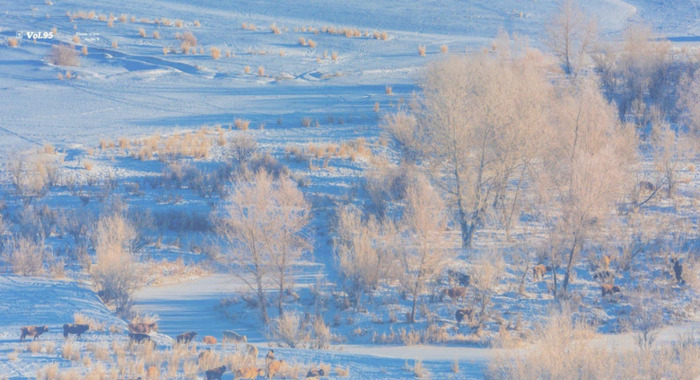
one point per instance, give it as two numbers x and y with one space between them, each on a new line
126 87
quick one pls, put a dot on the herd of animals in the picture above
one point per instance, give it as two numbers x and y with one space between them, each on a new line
139 333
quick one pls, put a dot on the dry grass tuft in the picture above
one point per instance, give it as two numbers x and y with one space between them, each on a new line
76 39
275 29
215 53
302 41
156 34
70 351
115 44
444 49
334 56
242 124
142 32
246 69
261 71
421 50
388 90
84 50
12 42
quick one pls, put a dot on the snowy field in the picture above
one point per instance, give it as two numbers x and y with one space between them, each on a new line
127 89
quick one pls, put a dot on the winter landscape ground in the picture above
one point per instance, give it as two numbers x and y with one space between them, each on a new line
366 189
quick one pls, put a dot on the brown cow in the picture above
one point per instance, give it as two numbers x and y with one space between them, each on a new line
74 328
274 367
610 289
143 328
186 337
461 313
538 271
33 331
209 339
249 373
457 292
215 373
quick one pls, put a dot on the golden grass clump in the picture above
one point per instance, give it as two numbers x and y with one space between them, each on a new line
12 42
421 50
215 53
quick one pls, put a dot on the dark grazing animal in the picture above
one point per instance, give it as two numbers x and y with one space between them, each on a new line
646 185
33 331
186 337
215 373
139 338
143 328
454 293
610 289
315 373
461 313
677 269
74 328
538 271
462 279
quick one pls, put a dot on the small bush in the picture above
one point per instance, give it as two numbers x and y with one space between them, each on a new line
289 329
421 50
70 351
64 55
215 53
242 124
261 71
27 257
12 42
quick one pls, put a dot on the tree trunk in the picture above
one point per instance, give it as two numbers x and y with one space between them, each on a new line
261 299
570 264
281 295
416 289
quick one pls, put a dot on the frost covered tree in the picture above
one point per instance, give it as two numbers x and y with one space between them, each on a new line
584 171
426 245
262 222
115 273
473 127
571 36
364 251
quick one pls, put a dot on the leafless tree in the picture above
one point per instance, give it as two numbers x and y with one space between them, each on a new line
670 149
571 36
472 126
426 245
115 273
262 222
585 170
364 250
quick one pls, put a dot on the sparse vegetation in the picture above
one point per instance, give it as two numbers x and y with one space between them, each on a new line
64 55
